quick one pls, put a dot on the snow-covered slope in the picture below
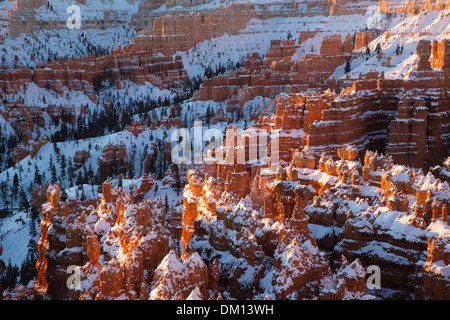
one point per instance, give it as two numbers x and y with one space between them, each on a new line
402 30
256 37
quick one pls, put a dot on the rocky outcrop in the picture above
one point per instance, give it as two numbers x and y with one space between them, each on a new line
114 160
116 246
179 32
363 38
21 152
441 54
38 196
343 221
175 280
136 63
414 7
136 128
80 157
29 16
442 172
147 183
436 271
35 147
277 72
423 50
318 215
48 210
375 113
407 140
239 239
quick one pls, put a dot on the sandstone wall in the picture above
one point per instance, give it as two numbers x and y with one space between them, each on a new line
276 73
134 63
414 7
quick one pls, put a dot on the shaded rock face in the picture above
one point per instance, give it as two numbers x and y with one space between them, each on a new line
414 7
80 157
38 196
23 119
423 50
114 160
419 117
436 276
442 172
136 63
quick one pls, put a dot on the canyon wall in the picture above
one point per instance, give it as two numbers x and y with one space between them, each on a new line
415 7
405 118
277 72
379 213
29 16
134 63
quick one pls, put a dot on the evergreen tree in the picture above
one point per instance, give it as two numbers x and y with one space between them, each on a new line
9 278
347 66
176 169
64 195
37 175
166 204
28 268
378 48
15 186
208 115
156 188
52 168
24 200
63 166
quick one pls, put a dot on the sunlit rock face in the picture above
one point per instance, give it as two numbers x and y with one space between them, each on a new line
317 216
414 7
115 244
360 209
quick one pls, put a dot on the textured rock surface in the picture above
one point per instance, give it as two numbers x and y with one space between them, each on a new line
316 217
412 6
371 116
114 160
362 178
116 245
276 72
137 63
175 280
